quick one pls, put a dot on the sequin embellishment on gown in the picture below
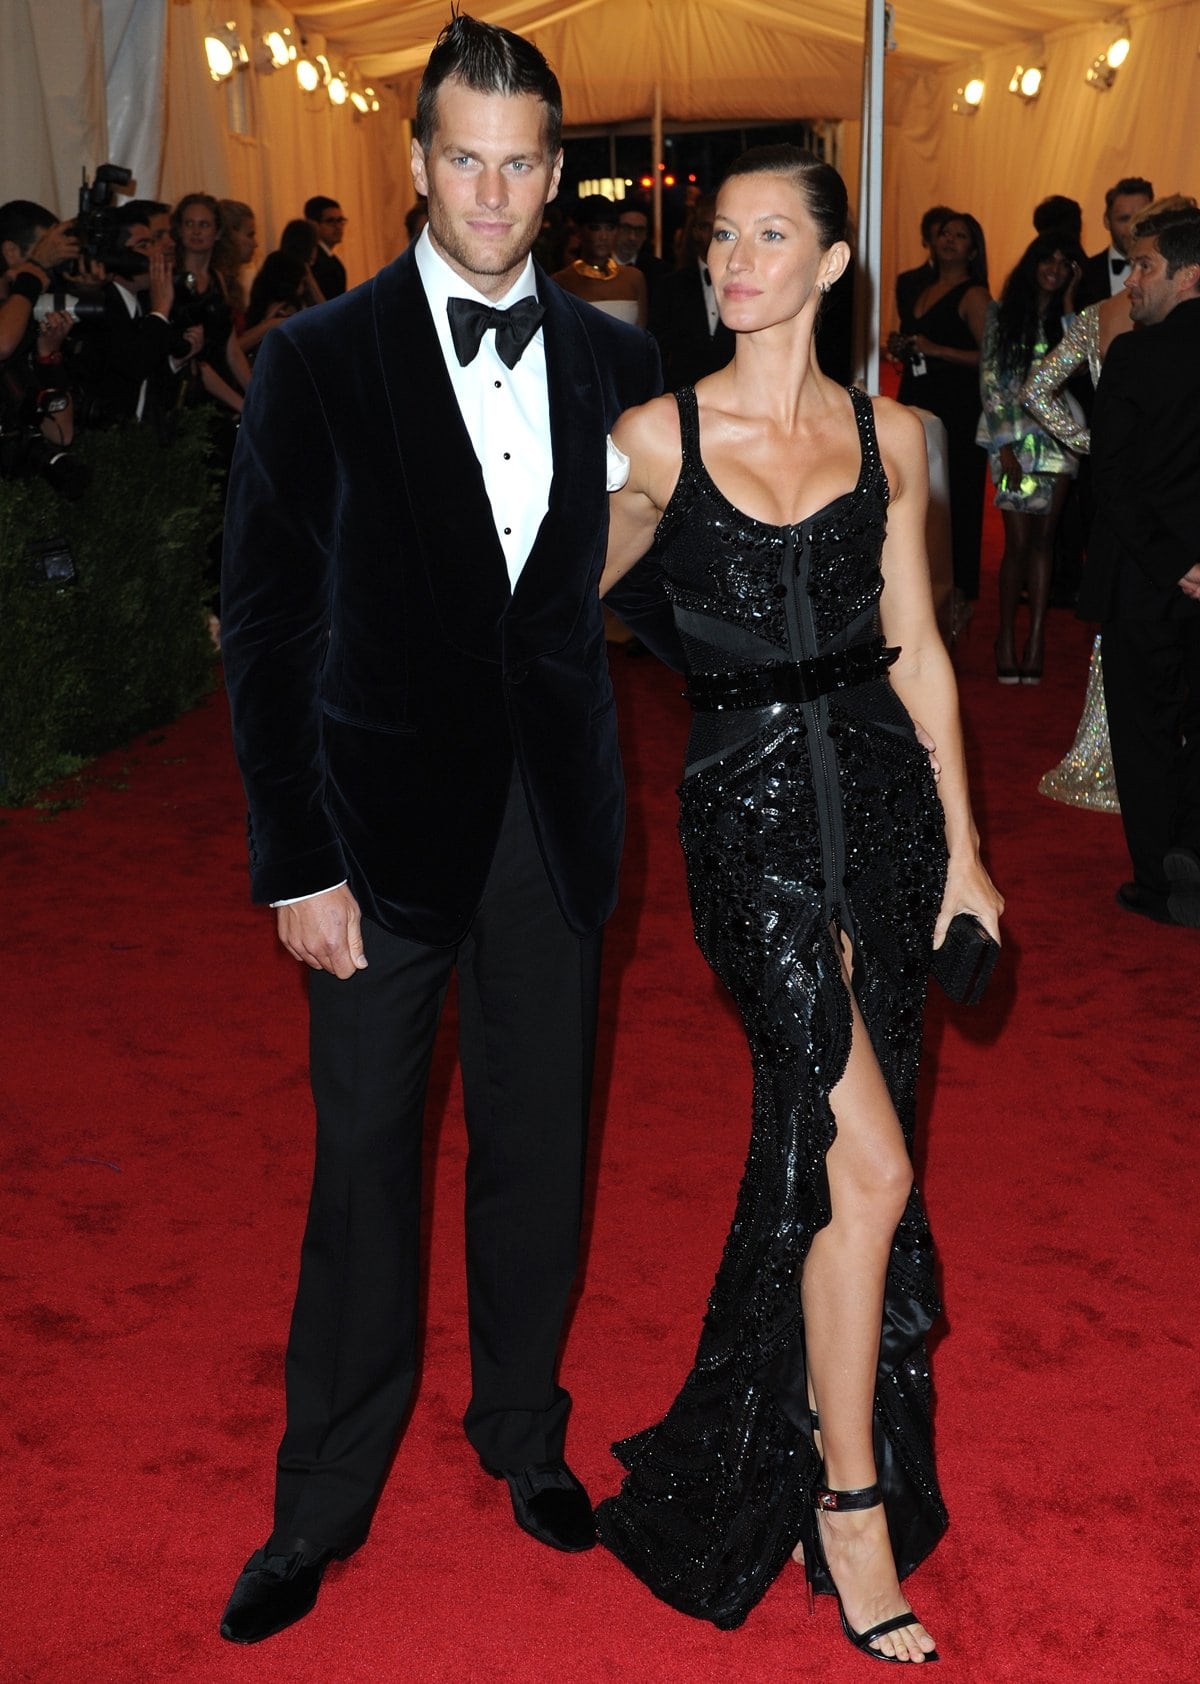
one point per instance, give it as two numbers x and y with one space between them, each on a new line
796 819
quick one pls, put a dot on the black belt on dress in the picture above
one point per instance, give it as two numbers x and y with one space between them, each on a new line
789 681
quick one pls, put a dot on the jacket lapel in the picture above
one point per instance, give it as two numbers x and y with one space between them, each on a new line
443 481
576 519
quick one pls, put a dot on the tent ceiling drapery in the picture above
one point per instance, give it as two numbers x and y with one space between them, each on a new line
712 58
75 75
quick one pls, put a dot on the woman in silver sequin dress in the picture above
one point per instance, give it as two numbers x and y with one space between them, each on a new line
822 870
1084 776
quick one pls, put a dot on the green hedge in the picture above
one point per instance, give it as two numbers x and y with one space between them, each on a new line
87 665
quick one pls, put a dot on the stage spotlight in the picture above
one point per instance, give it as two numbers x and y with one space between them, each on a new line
1102 72
220 59
338 92
277 50
969 97
1026 81
308 76
359 101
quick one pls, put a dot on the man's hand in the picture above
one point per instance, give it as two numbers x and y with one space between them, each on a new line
55 246
52 330
162 284
325 932
195 339
1190 583
930 747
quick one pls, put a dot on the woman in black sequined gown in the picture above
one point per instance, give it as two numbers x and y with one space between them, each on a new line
822 869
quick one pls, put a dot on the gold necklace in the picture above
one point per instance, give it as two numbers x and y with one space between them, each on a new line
597 272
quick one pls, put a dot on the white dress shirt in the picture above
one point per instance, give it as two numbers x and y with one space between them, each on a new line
506 411
1116 279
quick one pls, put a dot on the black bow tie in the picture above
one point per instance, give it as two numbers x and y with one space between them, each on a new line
1119 264
515 327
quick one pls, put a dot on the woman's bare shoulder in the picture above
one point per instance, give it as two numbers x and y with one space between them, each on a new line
901 436
897 426
650 429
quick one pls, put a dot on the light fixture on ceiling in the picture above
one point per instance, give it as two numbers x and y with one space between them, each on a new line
969 97
224 51
359 101
338 89
1026 81
307 74
1102 72
277 53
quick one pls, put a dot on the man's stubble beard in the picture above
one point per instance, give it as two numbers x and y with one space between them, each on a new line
495 260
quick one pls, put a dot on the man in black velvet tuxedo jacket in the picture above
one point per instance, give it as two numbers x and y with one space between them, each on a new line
422 711
1142 579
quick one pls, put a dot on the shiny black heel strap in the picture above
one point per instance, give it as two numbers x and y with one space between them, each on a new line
790 681
866 1497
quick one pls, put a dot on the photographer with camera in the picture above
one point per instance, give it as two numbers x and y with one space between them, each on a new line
126 358
33 245
37 420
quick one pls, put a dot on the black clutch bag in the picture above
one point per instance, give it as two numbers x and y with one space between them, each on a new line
965 960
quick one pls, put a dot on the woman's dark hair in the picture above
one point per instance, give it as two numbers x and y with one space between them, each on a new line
1019 321
279 281
818 184
977 268
491 61
299 237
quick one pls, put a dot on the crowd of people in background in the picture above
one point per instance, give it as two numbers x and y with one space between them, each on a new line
158 316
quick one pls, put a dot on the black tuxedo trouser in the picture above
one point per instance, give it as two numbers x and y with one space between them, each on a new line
1152 696
527 1006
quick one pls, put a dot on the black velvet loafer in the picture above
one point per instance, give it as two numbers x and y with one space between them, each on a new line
277 1587
550 1504
1144 902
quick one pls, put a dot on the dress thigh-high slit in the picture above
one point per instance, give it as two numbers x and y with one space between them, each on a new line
801 819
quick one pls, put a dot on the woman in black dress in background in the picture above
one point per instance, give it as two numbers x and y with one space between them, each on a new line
822 870
940 344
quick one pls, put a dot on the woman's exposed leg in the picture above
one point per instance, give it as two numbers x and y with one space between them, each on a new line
1040 568
1014 567
842 1287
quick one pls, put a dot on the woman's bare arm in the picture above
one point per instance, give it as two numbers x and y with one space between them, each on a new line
649 437
923 677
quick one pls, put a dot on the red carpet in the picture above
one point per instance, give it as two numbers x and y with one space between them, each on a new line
155 1163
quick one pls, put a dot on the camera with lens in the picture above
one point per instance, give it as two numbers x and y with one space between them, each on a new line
95 227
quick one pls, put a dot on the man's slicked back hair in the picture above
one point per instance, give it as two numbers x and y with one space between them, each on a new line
490 61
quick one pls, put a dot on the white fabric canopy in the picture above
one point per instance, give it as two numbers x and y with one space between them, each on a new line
82 80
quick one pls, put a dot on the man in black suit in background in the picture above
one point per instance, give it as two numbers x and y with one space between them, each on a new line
124 360
1142 579
693 339
422 710
328 271
1104 274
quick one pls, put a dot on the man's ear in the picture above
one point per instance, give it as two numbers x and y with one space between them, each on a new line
555 176
417 165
